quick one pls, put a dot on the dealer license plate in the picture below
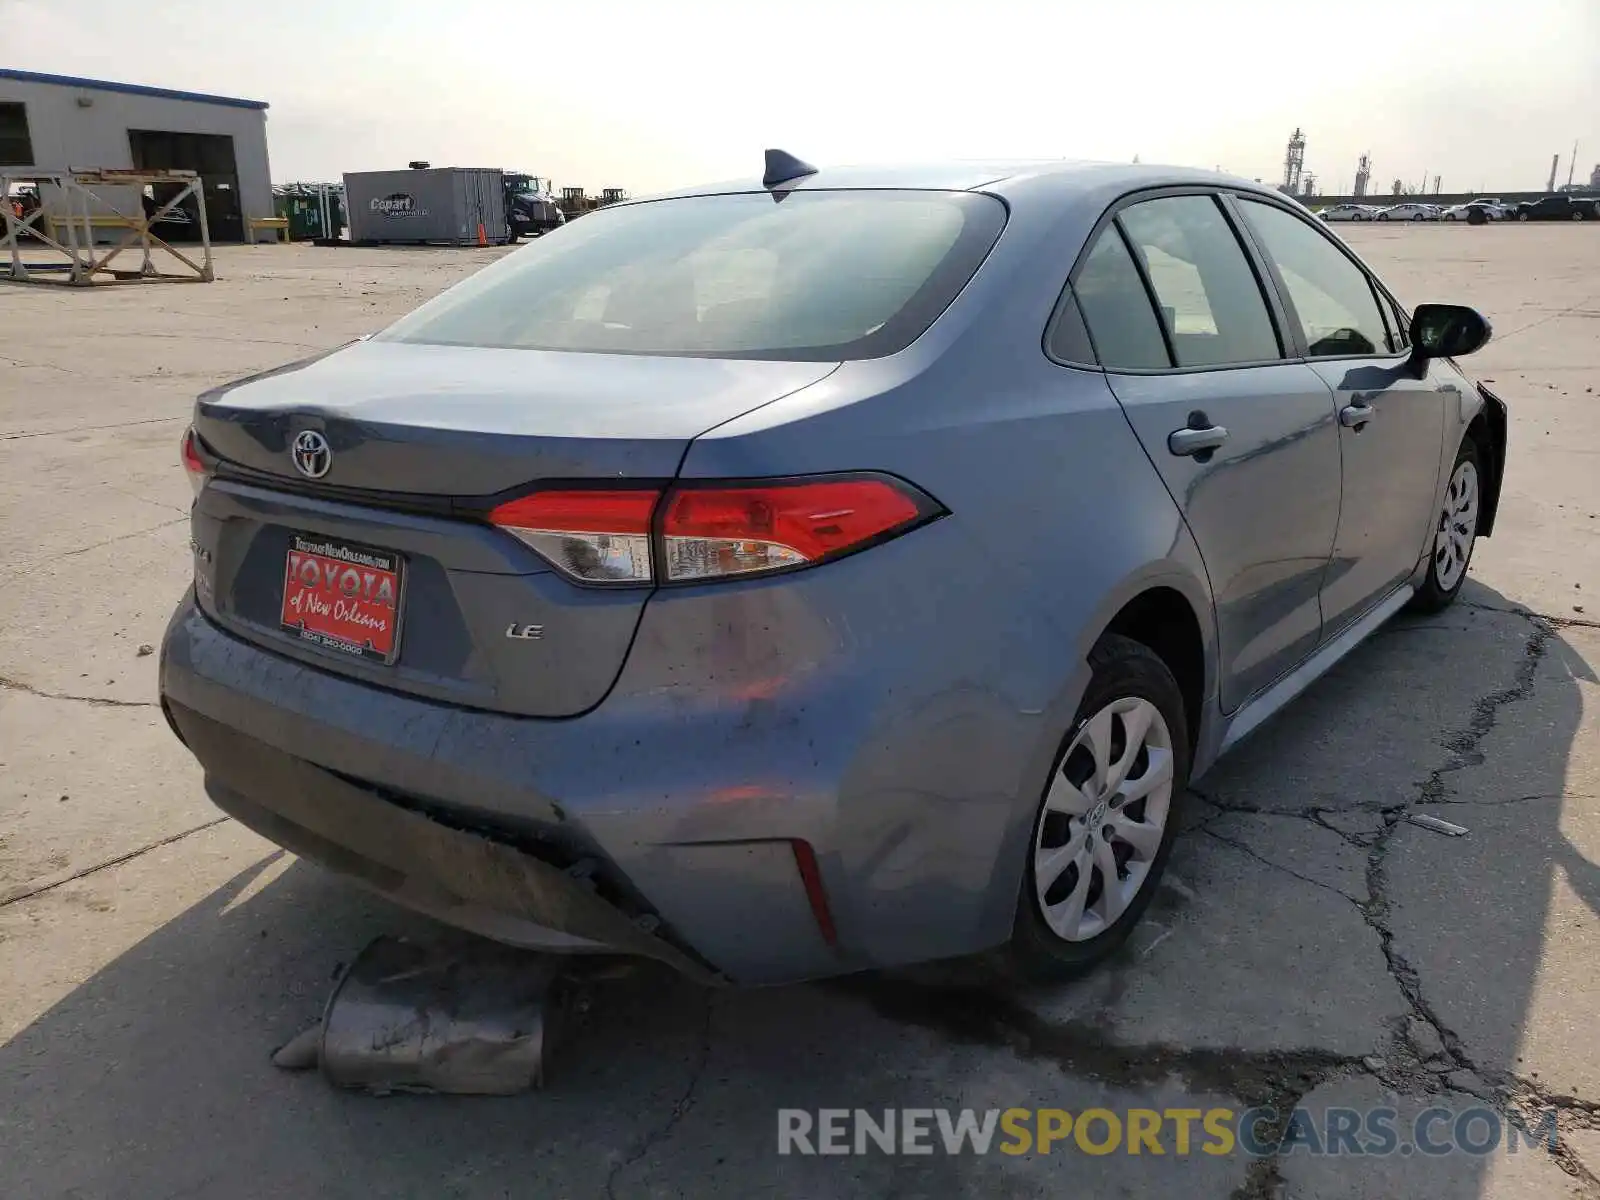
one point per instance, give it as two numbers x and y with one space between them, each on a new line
343 597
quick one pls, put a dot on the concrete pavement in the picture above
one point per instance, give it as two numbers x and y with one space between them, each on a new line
1312 947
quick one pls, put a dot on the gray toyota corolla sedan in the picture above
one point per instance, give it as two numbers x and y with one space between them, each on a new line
830 571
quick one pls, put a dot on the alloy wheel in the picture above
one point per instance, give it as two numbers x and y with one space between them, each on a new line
1104 818
1458 523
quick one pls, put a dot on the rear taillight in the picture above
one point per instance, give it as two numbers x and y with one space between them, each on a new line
594 536
195 469
713 532
705 532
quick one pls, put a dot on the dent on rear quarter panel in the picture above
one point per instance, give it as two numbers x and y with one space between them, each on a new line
970 635
849 706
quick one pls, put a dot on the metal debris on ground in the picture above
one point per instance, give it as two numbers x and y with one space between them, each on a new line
1437 825
460 1018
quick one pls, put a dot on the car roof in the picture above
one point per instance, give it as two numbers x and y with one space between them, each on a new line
1004 177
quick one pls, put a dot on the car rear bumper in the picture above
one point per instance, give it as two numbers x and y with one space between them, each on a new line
454 875
907 791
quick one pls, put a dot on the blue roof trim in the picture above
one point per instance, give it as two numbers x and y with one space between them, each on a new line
131 89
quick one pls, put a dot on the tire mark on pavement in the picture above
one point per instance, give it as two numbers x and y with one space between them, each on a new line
28 564
16 685
29 890
39 433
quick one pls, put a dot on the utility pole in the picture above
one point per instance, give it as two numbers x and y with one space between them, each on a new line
1572 165
1555 162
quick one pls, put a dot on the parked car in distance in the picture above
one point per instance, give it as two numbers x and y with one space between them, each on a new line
782 590
1492 209
1411 210
1560 208
1348 212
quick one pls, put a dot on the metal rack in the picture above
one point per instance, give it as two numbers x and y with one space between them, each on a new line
69 228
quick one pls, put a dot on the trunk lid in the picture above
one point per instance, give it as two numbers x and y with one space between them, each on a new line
419 436
451 421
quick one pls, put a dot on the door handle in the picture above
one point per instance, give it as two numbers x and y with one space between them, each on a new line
1198 442
1354 416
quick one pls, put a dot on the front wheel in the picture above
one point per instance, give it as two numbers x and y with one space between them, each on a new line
1577 214
1383 216
1455 533
1105 825
1522 216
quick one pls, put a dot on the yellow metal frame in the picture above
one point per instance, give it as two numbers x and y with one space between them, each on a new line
84 265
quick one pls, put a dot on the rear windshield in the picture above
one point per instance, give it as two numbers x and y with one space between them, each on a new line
812 276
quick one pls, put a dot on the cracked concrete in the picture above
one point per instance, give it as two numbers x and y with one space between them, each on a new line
1526 1174
1310 946
1308 850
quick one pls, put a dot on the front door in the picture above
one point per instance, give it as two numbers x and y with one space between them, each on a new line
1391 423
1246 442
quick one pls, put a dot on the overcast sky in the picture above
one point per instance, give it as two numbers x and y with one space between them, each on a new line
651 95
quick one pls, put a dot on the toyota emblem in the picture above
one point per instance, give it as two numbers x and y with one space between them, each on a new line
311 453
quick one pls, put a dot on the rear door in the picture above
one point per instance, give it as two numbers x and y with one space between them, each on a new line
1391 421
1244 438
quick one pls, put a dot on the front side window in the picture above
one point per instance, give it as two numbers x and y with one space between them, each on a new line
810 276
1211 302
1331 295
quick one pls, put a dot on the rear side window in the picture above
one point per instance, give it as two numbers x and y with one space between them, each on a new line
1069 336
1211 301
1332 297
1117 309
809 276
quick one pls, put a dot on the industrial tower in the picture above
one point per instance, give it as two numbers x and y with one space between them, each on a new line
1293 161
1363 175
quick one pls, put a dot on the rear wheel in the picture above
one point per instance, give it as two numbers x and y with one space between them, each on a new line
1455 532
1105 825
1416 216
1383 216
1522 216
1578 214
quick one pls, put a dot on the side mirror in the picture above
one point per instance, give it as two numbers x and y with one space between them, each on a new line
1447 331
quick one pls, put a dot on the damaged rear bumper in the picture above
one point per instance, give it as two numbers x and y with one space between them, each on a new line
461 878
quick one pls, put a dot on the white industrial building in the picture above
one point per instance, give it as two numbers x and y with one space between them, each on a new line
62 123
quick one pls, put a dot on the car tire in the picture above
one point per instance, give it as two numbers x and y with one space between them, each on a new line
1578 214
1383 216
1450 550
1522 216
1130 688
1416 216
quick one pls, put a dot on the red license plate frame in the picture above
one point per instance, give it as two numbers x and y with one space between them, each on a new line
343 597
